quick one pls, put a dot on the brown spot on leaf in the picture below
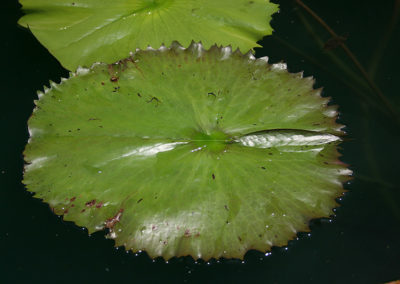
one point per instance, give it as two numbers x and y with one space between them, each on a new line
140 200
110 223
83 210
99 205
72 199
187 233
114 79
102 83
90 203
213 176
226 207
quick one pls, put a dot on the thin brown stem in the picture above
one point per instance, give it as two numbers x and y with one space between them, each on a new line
350 74
316 17
373 86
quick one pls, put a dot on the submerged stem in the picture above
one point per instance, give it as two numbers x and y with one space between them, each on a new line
364 73
385 40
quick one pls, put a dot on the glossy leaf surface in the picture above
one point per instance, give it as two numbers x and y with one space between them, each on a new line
187 152
81 32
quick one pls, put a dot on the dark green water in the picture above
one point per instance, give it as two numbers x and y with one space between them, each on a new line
360 245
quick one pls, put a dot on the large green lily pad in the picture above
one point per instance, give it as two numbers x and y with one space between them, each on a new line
187 152
80 32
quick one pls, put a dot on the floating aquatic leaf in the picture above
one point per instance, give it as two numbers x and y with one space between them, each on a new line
80 32
187 152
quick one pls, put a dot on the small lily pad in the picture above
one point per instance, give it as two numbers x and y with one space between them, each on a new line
179 152
80 32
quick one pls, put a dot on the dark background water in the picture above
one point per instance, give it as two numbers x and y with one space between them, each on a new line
360 245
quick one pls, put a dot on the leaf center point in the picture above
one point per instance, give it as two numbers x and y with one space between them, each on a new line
215 141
